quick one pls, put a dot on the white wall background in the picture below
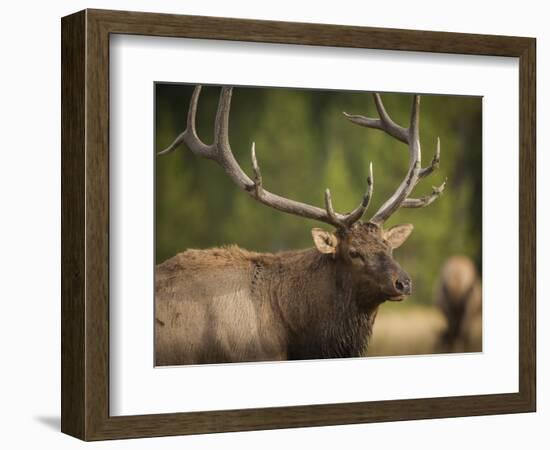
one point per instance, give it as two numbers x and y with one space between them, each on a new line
30 221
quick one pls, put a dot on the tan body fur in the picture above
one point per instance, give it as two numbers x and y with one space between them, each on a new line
206 311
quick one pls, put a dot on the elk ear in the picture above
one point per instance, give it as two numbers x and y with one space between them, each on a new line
324 241
398 234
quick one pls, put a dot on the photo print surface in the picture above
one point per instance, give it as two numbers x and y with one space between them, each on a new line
296 224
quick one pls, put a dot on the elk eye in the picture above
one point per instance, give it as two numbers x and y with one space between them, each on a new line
354 254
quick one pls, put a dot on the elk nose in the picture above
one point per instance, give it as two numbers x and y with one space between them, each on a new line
404 285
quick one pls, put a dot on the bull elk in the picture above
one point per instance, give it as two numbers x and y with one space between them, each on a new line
458 296
229 305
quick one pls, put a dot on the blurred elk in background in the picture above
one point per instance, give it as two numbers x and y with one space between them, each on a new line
459 297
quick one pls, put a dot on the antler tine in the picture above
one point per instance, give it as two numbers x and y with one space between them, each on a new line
384 123
220 152
435 162
426 200
330 210
358 212
257 173
410 136
189 136
173 145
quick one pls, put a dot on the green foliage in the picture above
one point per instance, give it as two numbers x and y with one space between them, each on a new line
304 145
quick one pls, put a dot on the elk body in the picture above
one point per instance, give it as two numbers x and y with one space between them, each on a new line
229 304
458 296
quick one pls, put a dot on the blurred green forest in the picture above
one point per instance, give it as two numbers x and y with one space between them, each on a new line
304 144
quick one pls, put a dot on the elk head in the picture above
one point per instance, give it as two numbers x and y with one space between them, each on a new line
364 251
362 248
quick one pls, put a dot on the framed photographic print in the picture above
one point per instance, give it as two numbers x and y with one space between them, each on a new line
271 224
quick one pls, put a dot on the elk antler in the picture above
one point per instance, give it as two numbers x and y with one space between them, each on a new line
220 152
415 173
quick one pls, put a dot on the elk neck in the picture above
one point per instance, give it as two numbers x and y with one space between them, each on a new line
323 312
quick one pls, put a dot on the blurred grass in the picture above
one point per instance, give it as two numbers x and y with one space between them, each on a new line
406 330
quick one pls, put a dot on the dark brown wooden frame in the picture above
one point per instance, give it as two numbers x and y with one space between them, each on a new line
85 224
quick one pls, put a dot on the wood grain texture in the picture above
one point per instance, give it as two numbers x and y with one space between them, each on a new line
97 225
73 225
527 225
152 24
85 224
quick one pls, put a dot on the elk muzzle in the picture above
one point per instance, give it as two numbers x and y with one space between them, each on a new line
402 286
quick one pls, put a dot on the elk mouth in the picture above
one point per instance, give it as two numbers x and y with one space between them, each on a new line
397 298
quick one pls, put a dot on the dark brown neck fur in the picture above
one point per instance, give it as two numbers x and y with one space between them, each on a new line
318 304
